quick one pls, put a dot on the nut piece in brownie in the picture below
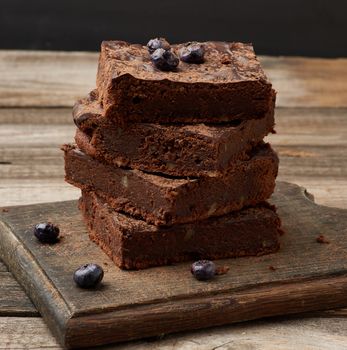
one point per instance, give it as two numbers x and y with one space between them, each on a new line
135 244
229 84
165 200
175 149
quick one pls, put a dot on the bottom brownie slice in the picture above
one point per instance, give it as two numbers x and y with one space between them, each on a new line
135 244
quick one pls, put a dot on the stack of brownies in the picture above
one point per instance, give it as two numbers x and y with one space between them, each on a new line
171 159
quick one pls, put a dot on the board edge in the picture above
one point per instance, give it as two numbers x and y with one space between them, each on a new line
191 314
40 290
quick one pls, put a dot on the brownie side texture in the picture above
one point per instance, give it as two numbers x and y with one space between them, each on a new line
179 150
166 200
229 85
135 244
87 112
88 115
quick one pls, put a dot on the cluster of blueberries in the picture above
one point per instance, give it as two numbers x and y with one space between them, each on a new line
165 59
90 275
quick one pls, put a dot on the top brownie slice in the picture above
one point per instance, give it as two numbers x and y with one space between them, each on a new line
229 85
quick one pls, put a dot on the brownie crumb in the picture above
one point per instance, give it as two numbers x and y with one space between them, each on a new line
272 268
222 270
4 210
225 59
321 239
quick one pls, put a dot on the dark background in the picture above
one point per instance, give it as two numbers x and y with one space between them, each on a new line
276 27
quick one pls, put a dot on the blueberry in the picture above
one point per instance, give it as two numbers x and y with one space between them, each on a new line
88 276
164 60
192 53
46 232
203 270
158 43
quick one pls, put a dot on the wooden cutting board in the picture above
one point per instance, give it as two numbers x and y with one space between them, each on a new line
303 276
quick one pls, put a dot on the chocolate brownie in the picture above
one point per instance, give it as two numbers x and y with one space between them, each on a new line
164 200
87 112
179 150
135 244
229 85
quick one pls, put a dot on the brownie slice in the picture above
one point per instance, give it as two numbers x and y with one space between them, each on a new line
229 85
135 244
164 200
88 114
179 150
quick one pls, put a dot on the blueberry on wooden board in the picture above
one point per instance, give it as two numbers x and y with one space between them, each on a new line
88 275
46 232
203 270
158 43
192 53
164 60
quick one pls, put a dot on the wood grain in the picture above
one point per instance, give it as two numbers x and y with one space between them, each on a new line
131 304
13 300
3 267
283 334
194 314
44 115
42 79
303 82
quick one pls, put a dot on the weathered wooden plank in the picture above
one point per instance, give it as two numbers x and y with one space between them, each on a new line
313 126
51 116
42 190
59 78
30 78
3 267
13 300
308 82
327 191
272 334
286 334
330 313
39 137
23 333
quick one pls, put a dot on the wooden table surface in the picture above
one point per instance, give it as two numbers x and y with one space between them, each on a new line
37 90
